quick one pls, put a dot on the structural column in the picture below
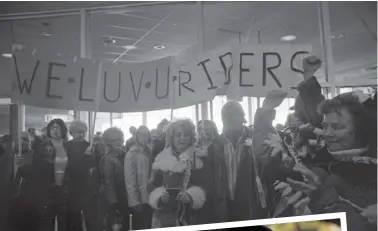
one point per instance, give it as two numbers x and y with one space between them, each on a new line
201 42
325 35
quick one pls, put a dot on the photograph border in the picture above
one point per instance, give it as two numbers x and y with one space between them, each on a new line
271 221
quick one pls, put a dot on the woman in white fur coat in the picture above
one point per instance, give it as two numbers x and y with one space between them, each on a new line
175 188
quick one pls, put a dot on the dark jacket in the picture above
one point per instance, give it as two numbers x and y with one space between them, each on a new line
42 172
354 180
81 171
306 103
247 204
158 146
113 187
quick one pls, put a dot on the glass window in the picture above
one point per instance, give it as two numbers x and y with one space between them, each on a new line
186 112
128 120
4 119
218 103
155 117
283 111
102 122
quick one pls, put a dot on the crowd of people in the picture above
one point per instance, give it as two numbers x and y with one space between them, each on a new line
323 160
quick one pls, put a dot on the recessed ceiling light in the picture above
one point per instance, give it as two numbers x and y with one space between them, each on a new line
337 36
7 55
130 47
47 34
159 47
108 41
289 37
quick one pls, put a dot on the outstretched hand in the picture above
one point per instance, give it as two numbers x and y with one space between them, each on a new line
311 184
274 98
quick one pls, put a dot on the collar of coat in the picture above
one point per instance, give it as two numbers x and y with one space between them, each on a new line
353 155
166 161
245 136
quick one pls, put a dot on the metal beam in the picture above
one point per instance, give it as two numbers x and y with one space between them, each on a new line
325 35
141 38
201 41
70 12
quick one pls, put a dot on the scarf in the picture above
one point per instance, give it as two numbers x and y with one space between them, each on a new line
232 157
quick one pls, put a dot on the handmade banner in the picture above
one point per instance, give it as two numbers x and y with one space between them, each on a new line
260 69
53 82
56 82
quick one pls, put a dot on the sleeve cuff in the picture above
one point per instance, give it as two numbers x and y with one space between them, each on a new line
155 196
198 196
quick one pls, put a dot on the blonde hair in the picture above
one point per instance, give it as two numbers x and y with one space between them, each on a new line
186 124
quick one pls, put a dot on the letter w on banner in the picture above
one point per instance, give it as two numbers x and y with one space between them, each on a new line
53 82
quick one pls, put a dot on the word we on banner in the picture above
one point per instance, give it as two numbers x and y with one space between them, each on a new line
56 82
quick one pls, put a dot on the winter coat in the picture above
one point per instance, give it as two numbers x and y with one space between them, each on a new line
81 171
247 203
42 173
354 180
168 172
138 163
113 188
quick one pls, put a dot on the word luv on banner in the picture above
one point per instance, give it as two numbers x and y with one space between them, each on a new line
55 82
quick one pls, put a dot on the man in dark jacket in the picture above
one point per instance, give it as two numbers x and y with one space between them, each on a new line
234 188
81 173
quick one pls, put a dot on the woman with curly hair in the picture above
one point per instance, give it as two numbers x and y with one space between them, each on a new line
342 176
48 179
176 190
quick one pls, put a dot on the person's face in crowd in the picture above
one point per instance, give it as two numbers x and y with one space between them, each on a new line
55 131
205 131
143 136
78 134
233 118
154 134
339 132
181 139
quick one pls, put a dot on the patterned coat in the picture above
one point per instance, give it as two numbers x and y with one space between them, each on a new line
168 172
137 174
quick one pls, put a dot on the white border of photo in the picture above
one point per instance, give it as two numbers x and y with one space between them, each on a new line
265 222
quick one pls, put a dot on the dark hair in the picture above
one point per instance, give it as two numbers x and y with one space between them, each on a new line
139 130
61 124
363 121
212 125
